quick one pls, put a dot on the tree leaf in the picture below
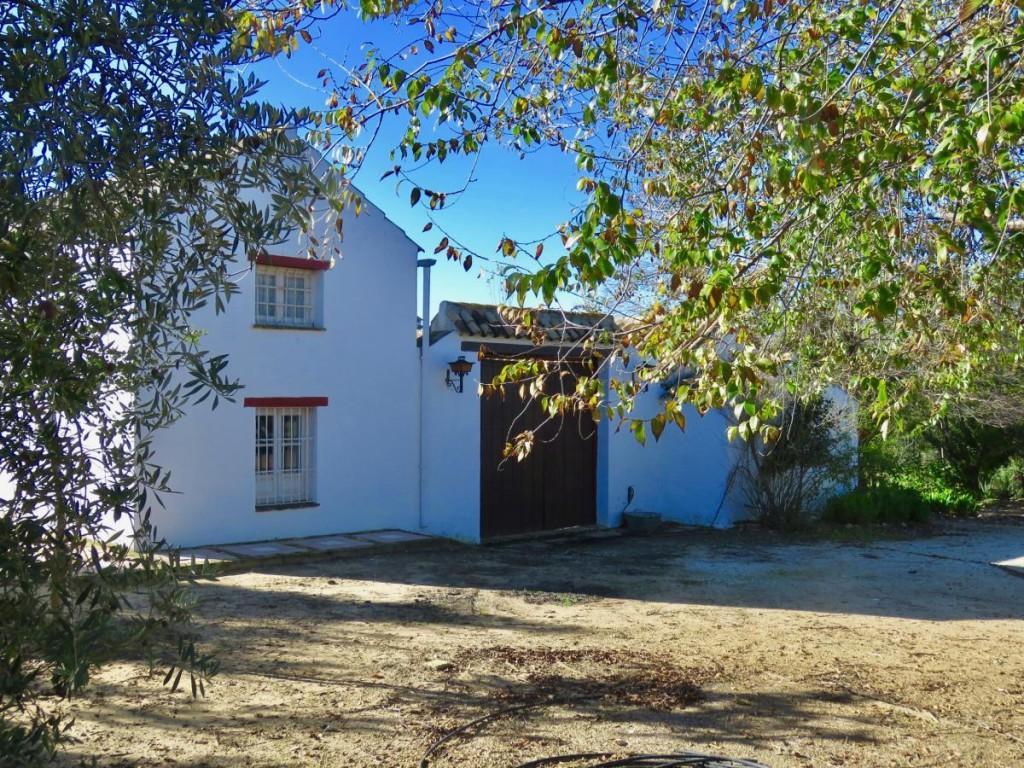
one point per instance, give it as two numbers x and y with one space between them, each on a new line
658 426
984 137
969 8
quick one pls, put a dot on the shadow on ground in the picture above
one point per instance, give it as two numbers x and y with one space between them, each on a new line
944 576
367 660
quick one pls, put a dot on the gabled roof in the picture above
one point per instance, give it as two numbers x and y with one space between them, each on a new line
490 321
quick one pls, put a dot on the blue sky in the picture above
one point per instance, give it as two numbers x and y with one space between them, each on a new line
523 198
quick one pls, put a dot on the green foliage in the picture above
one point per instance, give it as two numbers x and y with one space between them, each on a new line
940 494
972 449
826 190
909 462
127 143
1007 482
786 481
880 504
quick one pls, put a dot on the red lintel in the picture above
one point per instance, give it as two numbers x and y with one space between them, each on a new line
292 262
284 402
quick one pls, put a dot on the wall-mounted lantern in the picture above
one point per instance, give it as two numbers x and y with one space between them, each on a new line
460 368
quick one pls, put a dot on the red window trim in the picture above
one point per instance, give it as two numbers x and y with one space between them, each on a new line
292 262
284 402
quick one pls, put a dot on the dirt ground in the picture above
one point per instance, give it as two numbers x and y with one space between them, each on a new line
895 650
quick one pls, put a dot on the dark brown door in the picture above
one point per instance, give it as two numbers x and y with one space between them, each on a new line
556 485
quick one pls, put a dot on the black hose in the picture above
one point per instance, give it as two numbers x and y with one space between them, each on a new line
668 760
474 724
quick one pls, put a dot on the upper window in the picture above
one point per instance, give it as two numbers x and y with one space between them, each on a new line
286 297
289 292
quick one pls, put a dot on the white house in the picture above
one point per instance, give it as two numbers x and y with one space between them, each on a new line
313 444
347 424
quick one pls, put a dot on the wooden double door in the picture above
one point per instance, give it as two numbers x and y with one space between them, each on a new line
556 485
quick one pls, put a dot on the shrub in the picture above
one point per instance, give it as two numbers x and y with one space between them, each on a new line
898 502
881 504
786 481
881 460
973 450
941 494
1007 482
908 461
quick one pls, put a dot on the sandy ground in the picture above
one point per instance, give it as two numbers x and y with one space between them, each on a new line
893 651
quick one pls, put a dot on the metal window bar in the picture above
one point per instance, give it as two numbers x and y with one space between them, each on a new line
284 297
285 455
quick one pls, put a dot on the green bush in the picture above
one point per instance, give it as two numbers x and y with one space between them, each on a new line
786 481
880 459
939 492
972 450
910 463
1007 482
882 504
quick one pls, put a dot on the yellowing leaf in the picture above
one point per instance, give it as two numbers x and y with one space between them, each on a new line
658 426
969 8
984 137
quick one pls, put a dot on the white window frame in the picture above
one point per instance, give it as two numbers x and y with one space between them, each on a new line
288 297
285 457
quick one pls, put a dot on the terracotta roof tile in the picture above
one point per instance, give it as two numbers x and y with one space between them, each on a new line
490 321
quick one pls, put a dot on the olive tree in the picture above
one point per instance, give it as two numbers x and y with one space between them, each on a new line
128 143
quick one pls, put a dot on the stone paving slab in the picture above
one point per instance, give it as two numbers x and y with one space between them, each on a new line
389 537
209 554
261 549
329 543
239 554
1014 566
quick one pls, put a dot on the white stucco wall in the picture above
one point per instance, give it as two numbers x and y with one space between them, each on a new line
688 475
365 362
451 445
685 476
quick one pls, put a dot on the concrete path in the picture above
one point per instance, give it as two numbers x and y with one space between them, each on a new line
1014 566
254 551
999 543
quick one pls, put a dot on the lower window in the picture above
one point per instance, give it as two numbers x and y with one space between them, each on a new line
285 456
